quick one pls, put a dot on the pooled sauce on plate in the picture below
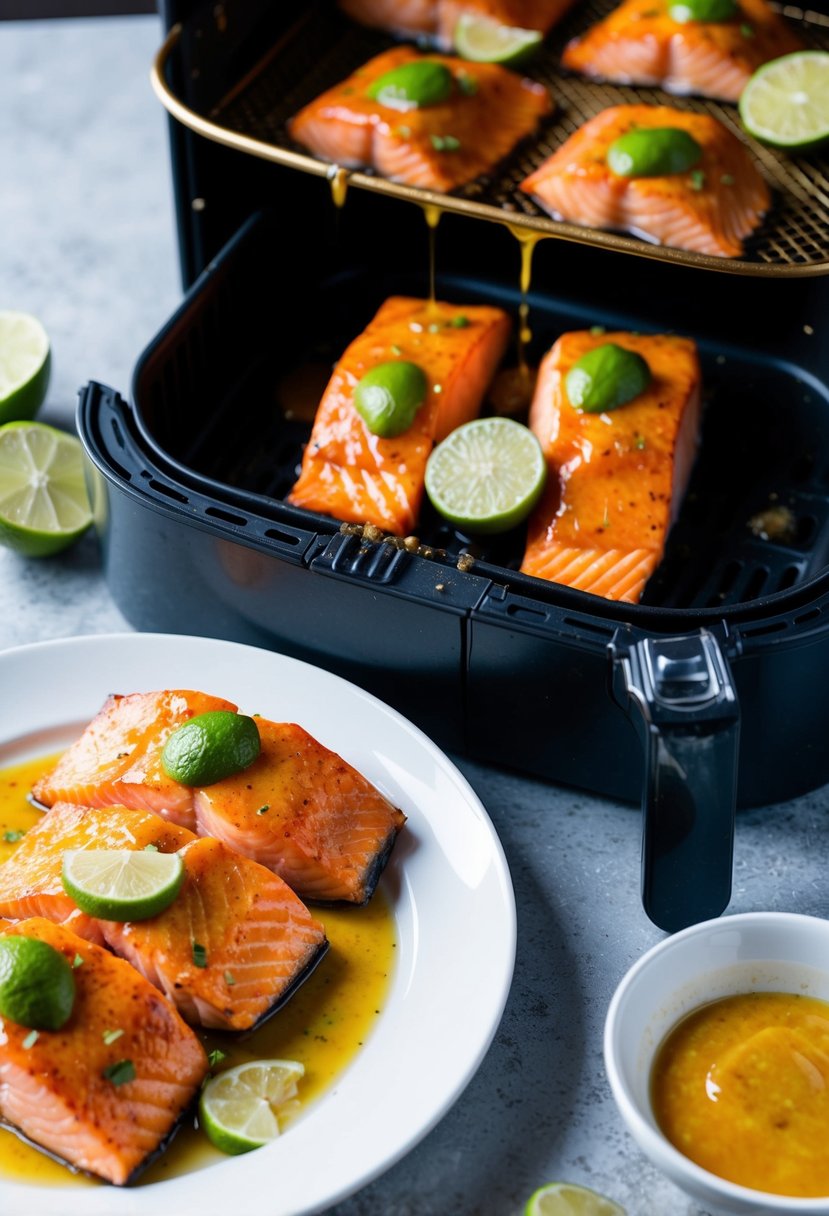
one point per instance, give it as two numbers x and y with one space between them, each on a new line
324 1025
741 1087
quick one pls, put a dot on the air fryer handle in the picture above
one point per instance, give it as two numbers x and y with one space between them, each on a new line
679 693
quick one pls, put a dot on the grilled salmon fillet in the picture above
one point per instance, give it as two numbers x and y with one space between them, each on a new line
251 926
326 830
710 209
615 480
56 1091
354 475
640 43
436 19
117 761
437 147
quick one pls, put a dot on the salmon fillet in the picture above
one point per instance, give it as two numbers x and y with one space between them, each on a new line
710 209
249 923
639 43
117 760
55 1091
354 475
615 480
436 19
482 122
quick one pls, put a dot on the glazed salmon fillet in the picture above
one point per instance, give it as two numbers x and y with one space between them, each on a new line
250 924
437 147
615 480
357 476
117 761
710 209
436 19
55 1090
640 43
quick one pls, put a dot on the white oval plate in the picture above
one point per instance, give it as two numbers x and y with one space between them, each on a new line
447 881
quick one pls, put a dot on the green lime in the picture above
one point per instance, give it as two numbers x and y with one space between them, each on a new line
240 1109
568 1199
122 884
388 397
210 747
605 378
37 987
487 475
43 501
786 101
24 366
414 85
703 10
653 152
486 41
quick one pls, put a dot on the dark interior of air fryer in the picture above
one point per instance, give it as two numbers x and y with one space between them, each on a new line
231 394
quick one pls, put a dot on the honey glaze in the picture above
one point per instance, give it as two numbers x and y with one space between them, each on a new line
741 1087
432 214
324 1025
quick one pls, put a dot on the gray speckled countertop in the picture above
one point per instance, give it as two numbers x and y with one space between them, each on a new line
87 244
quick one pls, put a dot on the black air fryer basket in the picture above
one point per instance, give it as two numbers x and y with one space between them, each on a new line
721 671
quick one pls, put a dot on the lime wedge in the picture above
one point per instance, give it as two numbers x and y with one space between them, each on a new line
37 987
568 1199
486 41
122 885
43 501
487 475
786 101
240 1109
24 365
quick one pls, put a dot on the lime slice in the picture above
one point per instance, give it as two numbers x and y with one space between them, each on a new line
568 1199
786 101
37 987
486 41
487 475
122 885
24 365
43 502
210 747
241 1108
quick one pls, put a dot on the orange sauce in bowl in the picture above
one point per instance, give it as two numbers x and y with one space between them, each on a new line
741 1087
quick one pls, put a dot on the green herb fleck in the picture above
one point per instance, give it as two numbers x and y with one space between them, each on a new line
262 810
697 179
597 330
640 443
120 1072
445 143
77 962
460 321
216 1056
397 350
433 328
727 179
13 835
467 84
747 30
199 955
150 848
30 1039
111 1036
230 979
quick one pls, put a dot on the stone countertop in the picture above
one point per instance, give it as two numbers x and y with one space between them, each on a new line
87 244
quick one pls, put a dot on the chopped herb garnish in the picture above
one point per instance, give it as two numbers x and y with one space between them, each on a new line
264 808
199 955
445 143
13 835
460 321
697 179
597 330
434 329
640 443
747 30
111 1036
150 848
216 1056
727 179
230 979
397 350
120 1072
467 84
30 1039
77 962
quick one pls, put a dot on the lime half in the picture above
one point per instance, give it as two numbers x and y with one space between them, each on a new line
211 747
240 1109
486 41
568 1199
786 101
122 885
24 365
487 475
43 501
37 987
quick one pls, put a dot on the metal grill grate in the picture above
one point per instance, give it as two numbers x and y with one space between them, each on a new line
794 240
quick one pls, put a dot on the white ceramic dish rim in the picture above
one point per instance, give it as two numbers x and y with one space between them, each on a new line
447 880
652 1141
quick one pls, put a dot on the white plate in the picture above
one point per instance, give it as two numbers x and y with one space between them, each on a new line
447 880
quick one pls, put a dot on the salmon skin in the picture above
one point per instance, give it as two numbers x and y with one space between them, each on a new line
357 476
710 209
615 480
435 20
55 1091
640 43
299 809
258 942
436 147
117 761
